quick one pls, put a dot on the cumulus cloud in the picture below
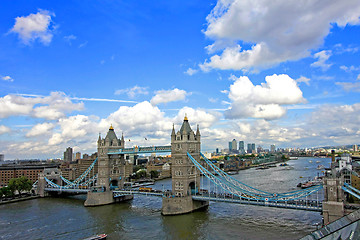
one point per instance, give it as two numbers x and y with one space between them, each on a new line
191 71
281 31
322 57
49 107
4 129
34 26
77 129
40 129
11 105
329 123
205 118
7 78
165 96
133 92
140 118
265 100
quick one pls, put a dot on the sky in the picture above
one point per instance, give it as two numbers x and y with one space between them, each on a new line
264 72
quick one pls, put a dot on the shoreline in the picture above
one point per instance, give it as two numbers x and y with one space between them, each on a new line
19 199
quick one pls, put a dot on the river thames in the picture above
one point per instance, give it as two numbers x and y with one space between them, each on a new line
67 218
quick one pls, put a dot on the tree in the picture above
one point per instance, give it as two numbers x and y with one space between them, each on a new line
20 184
154 174
141 173
6 192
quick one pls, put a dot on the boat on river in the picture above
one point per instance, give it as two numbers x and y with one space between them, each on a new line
97 237
262 167
319 167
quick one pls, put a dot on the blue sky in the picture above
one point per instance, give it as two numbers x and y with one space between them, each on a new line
285 73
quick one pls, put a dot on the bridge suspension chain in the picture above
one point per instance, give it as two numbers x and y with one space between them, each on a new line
237 188
258 192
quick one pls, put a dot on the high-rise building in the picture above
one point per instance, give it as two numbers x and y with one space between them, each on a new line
249 150
78 155
272 148
68 155
217 150
253 148
241 147
233 145
2 157
230 146
355 148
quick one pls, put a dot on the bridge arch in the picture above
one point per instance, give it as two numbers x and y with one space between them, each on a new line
192 188
114 184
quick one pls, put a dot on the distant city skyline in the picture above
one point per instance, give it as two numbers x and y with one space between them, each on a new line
70 70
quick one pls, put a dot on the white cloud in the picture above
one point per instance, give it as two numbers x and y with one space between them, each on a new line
304 80
78 129
50 107
4 129
349 69
7 78
350 86
191 71
200 116
133 92
40 129
165 96
11 105
276 32
70 38
328 122
34 26
265 100
340 49
55 106
213 100
322 57
83 44
55 139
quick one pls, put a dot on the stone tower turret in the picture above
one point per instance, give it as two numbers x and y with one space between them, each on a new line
111 170
185 176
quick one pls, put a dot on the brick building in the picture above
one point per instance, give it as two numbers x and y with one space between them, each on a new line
30 171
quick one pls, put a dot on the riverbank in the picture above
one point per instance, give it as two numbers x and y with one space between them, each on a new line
19 199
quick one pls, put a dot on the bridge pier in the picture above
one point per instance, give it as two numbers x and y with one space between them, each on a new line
181 205
185 176
333 204
94 199
111 171
52 174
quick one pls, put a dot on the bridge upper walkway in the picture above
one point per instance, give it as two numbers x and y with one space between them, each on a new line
141 150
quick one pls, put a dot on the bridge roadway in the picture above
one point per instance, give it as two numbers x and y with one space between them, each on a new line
310 205
300 204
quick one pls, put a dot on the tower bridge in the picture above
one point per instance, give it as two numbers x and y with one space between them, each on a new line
187 193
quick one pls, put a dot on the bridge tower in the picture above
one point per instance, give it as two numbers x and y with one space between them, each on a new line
185 176
333 204
111 170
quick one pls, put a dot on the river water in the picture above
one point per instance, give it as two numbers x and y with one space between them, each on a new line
67 218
